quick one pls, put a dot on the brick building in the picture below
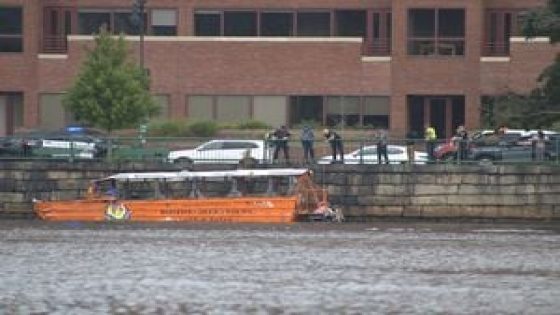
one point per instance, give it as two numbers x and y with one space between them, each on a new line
398 63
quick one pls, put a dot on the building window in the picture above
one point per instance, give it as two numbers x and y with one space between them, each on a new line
313 24
350 23
379 43
240 23
343 111
118 22
11 29
164 22
306 109
436 32
200 107
233 108
124 24
500 26
276 24
375 112
91 22
207 23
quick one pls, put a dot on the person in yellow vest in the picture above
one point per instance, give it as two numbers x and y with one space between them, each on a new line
430 136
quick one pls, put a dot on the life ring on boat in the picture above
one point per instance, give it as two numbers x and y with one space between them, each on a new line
116 212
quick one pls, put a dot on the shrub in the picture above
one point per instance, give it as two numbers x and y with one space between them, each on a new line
174 128
252 124
203 128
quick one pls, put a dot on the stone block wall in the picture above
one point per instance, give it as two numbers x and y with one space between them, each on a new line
364 192
444 191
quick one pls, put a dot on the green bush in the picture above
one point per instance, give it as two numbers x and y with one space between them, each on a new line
252 124
174 128
203 129
181 128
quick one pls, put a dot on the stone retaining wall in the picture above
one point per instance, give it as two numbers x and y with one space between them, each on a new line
363 192
445 191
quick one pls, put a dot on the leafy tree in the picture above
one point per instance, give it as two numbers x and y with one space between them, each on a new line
515 111
546 22
110 92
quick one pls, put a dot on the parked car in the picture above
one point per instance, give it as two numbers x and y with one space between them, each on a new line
447 150
223 151
52 145
368 155
505 152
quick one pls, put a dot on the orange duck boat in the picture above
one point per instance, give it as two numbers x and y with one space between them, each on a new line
259 196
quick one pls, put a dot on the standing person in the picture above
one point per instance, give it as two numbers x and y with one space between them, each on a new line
461 139
430 137
281 135
307 138
410 136
539 141
381 142
335 140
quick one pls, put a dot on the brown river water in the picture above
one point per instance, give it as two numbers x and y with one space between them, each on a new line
373 268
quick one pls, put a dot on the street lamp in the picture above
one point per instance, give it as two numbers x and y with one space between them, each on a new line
138 19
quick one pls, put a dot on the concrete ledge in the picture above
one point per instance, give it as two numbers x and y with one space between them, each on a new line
358 40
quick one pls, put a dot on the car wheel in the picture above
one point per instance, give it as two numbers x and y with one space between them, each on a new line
184 162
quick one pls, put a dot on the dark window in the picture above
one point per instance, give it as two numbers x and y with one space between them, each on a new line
91 22
451 23
306 109
207 24
276 24
350 23
436 32
11 29
238 145
313 24
240 23
422 23
164 30
125 24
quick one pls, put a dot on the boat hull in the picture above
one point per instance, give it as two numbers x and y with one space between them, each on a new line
244 209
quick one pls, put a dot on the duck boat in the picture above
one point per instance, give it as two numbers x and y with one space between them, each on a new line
244 195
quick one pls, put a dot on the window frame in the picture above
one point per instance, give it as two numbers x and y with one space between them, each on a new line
436 40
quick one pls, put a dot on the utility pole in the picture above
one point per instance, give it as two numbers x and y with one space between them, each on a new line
138 10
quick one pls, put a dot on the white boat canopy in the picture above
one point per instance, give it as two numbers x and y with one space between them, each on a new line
184 175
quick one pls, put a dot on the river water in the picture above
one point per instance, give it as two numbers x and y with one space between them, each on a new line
399 268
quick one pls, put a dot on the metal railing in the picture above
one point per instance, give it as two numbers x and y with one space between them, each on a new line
356 151
54 44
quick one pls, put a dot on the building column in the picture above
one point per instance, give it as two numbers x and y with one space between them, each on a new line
398 118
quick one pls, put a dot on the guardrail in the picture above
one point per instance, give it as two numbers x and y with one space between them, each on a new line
356 151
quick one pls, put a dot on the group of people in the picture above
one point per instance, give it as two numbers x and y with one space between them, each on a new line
279 140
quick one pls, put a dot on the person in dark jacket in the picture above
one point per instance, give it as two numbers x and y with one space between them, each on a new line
281 136
335 141
307 138
381 142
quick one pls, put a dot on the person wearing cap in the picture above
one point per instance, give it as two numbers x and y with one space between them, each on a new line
335 141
